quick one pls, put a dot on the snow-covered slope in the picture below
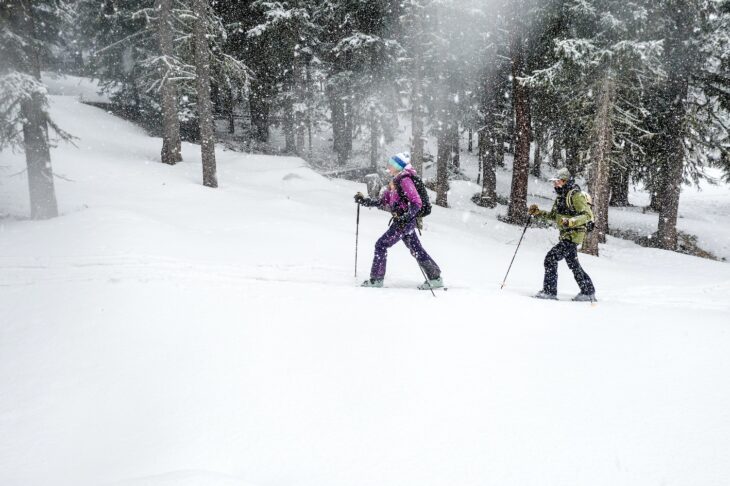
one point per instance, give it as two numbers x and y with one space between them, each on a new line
163 333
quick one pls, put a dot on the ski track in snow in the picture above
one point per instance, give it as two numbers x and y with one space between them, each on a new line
147 268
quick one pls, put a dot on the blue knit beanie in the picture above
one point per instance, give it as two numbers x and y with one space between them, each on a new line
400 161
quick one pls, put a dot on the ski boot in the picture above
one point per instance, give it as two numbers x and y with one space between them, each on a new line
435 283
585 298
544 295
372 282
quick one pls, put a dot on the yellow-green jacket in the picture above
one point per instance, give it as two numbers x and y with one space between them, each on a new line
577 219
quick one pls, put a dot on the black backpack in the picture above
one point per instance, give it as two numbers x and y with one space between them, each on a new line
422 193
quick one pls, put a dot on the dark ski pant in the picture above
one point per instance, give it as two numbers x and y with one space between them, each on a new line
410 239
568 250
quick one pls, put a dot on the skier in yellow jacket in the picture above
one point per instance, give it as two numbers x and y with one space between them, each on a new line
573 215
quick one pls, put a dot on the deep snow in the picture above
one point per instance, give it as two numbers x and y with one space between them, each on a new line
162 333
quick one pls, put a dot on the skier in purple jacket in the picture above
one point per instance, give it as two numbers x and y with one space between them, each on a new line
403 225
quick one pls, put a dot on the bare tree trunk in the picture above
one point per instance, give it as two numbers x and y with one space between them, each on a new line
41 188
517 211
667 228
556 157
442 166
619 179
572 160
301 89
309 105
598 185
338 123
470 144
671 187
537 162
259 110
171 150
229 111
38 158
499 139
374 137
205 109
417 118
349 126
488 161
454 146
655 185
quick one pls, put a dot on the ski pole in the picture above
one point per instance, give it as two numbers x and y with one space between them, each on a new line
357 232
529 220
427 281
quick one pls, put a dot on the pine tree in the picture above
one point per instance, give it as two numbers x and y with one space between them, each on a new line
693 101
171 150
126 44
288 36
358 48
205 108
29 31
602 66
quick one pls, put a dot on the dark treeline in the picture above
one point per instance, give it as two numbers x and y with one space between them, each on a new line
619 92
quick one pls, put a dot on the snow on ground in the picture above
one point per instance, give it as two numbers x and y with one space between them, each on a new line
160 332
83 89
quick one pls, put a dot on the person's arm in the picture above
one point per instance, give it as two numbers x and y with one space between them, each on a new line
538 213
368 202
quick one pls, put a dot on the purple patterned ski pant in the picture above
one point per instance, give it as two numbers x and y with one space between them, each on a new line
410 239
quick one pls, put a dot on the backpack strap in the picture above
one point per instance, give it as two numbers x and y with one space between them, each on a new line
399 188
569 197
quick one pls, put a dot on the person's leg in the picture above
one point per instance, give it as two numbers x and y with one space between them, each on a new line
581 277
557 253
424 259
389 238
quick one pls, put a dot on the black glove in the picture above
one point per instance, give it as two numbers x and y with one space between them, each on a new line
366 201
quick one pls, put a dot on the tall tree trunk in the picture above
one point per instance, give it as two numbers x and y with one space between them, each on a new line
349 111
171 150
556 156
349 125
488 161
655 186
442 165
309 104
38 159
259 110
499 139
572 160
680 58
374 139
537 162
454 146
470 144
288 126
230 112
41 187
598 185
337 110
417 117
619 180
517 211
205 109
667 227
